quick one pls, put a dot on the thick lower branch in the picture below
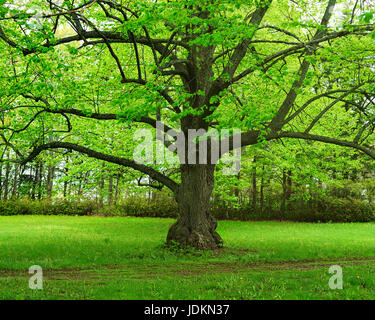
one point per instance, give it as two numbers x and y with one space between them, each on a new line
154 174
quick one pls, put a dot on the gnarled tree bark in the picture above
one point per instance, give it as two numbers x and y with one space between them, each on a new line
195 227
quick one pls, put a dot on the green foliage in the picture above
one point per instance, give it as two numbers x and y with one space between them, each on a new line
321 209
47 207
86 76
183 250
162 206
329 209
123 258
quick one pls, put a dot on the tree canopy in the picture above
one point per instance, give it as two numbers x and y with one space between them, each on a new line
85 75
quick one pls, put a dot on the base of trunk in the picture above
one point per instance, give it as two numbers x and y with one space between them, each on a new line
195 226
202 237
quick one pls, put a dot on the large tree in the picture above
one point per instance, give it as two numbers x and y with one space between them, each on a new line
274 69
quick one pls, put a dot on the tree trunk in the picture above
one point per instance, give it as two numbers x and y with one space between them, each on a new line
195 226
6 181
117 188
15 182
1 181
289 185
40 181
80 185
237 191
65 188
35 182
50 176
101 192
254 182
110 190
287 189
283 196
262 191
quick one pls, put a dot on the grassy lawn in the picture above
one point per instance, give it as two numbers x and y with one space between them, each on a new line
123 258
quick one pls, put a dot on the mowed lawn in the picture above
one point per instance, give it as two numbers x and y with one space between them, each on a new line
124 258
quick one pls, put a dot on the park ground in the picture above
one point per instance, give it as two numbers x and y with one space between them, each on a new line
124 258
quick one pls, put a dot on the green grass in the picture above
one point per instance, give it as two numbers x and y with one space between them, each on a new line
124 258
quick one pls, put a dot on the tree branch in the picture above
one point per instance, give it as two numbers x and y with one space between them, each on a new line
313 137
154 174
278 120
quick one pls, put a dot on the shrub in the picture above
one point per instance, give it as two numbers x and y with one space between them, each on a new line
47 207
332 209
313 210
163 206
327 209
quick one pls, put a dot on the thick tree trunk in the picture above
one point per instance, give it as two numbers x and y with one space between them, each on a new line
195 226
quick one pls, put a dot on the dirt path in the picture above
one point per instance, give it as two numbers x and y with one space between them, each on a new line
184 270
